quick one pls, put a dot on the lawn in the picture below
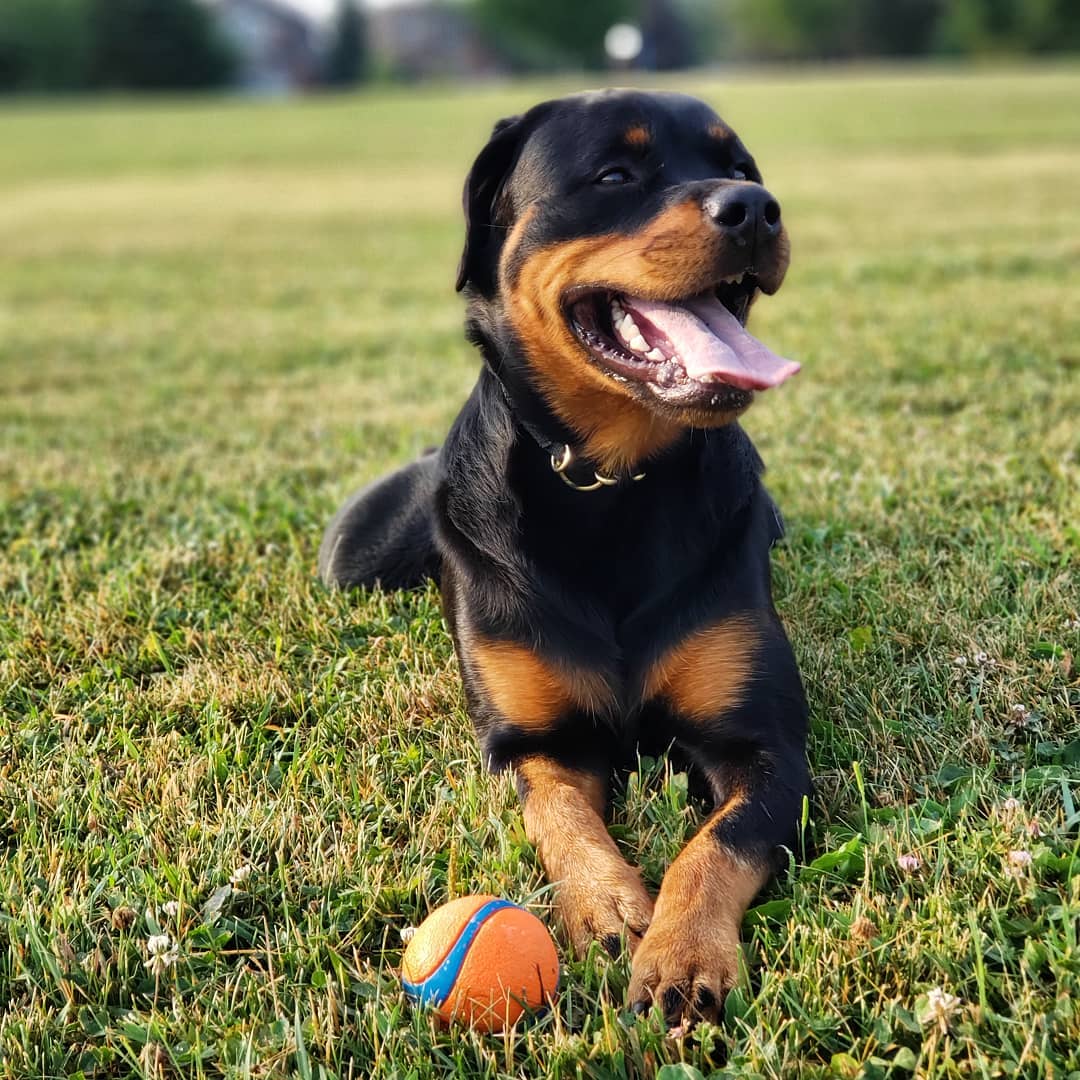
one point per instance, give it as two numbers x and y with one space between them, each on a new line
218 318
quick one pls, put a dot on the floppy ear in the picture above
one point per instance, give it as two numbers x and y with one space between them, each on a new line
483 187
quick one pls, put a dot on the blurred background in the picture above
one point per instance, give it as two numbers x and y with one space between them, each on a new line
296 46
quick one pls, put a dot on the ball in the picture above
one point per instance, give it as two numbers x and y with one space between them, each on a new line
481 960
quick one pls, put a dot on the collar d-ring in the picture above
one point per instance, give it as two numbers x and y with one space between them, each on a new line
559 465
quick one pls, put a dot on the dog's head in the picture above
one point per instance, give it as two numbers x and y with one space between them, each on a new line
614 244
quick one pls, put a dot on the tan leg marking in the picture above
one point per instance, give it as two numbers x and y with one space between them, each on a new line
530 691
707 672
598 895
689 958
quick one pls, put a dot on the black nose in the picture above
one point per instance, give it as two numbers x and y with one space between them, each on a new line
743 211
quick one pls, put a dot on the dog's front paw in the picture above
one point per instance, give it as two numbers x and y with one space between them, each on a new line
604 908
686 964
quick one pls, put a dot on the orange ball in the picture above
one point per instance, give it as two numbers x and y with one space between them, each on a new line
481 960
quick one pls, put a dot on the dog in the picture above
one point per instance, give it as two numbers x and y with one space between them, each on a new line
597 522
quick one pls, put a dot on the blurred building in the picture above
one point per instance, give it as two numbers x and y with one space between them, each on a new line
275 45
431 40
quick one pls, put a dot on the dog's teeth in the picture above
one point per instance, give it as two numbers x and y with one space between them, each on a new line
655 355
638 344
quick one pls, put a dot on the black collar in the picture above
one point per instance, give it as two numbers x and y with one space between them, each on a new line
572 469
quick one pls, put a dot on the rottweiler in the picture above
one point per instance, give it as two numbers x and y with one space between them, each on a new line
596 518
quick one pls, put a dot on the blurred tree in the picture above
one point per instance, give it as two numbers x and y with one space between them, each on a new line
156 45
825 29
787 29
1010 26
670 43
553 33
347 60
44 45
898 27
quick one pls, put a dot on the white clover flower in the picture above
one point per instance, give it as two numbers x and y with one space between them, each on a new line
909 863
241 874
1011 806
1016 862
171 908
940 1008
163 953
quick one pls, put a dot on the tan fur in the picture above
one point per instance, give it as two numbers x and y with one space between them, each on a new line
707 672
689 958
517 234
530 691
638 135
598 895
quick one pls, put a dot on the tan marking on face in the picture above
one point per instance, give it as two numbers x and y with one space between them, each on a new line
692 944
719 130
530 691
516 234
638 135
598 895
707 673
672 257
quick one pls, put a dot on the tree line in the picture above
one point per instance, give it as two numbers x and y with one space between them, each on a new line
70 45
73 45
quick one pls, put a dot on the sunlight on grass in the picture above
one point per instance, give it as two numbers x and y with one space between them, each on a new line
217 319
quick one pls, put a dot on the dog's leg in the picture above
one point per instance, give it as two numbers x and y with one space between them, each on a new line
598 895
689 959
751 751
384 534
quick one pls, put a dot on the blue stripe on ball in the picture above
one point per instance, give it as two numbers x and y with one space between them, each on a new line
435 989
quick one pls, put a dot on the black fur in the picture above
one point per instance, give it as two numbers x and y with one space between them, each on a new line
609 580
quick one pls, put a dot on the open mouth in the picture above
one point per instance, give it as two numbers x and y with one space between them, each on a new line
694 349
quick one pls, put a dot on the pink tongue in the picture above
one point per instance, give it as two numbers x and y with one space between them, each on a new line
712 344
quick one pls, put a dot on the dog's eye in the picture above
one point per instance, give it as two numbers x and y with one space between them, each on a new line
741 171
615 176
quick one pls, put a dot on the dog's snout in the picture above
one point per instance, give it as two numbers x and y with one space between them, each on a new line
743 211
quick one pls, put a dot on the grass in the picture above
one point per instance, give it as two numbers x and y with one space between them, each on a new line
216 319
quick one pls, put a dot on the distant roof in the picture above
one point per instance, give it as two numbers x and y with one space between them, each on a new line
278 9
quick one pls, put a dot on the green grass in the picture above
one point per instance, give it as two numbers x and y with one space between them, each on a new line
217 319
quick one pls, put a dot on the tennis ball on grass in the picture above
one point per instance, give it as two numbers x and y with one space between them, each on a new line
481 960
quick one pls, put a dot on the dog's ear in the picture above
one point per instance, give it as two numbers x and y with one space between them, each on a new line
483 186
